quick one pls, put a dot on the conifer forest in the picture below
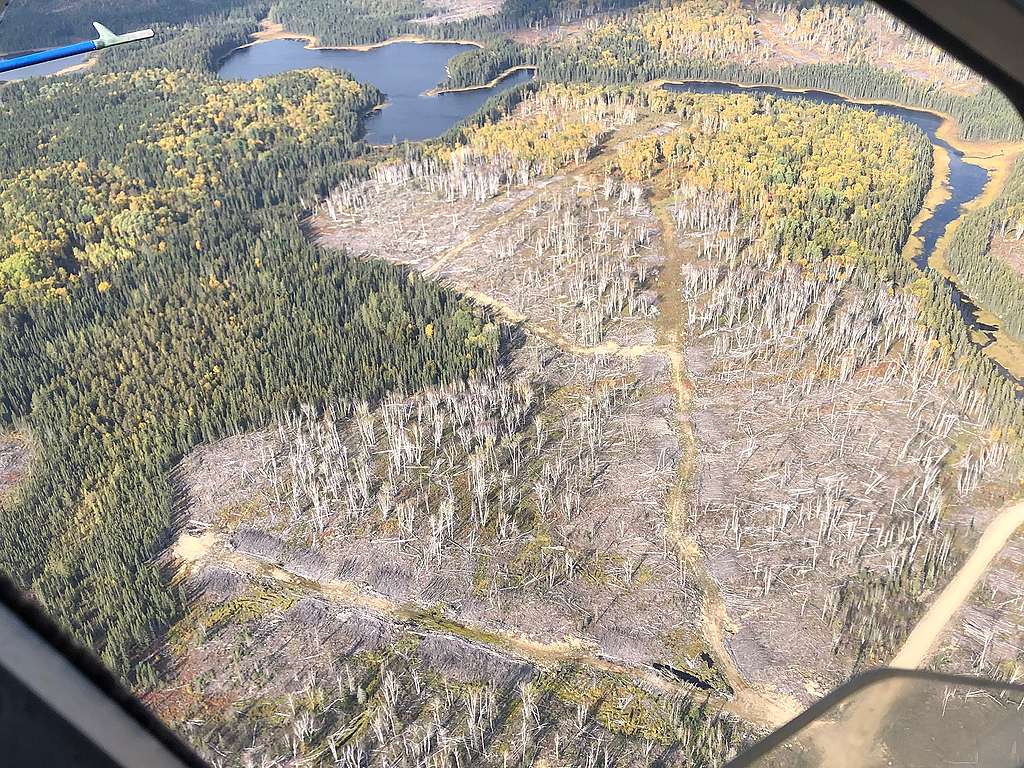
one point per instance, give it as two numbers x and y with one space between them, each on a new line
612 426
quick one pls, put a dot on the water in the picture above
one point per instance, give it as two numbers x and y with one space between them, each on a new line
403 71
39 70
966 180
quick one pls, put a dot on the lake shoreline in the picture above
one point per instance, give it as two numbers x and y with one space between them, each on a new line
1005 152
271 31
79 66
937 194
994 156
996 159
465 89
407 75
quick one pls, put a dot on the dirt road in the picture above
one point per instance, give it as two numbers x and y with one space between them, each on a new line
925 636
852 741
758 707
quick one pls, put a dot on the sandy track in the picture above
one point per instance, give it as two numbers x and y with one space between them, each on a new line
859 726
756 705
925 636
598 161
852 741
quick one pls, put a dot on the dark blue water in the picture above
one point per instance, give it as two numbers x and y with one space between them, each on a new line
966 180
38 70
403 71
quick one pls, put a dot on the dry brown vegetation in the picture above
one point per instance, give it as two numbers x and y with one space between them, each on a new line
985 636
771 34
831 467
526 560
15 454
530 499
535 258
277 677
1009 249
865 34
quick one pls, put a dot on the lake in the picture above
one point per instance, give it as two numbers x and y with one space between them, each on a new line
404 71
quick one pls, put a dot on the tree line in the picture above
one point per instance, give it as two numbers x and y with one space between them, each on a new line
716 40
203 310
484 64
226 320
613 54
985 115
816 207
824 183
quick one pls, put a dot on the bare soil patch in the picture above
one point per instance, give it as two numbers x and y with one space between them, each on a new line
1009 251
445 11
15 459
700 469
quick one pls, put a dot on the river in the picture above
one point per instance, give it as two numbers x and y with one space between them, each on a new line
404 71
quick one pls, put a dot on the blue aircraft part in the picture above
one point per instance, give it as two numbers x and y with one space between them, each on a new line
107 39
6 65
